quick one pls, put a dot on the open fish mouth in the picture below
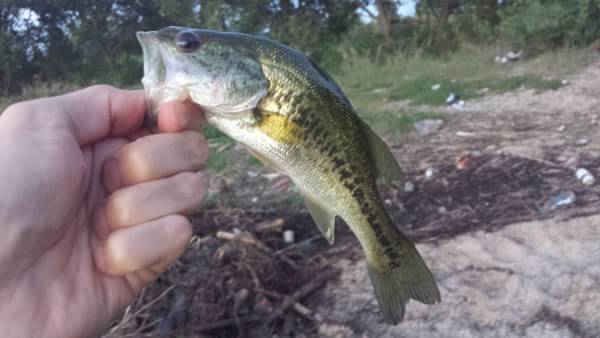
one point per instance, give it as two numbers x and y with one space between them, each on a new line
154 66
158 87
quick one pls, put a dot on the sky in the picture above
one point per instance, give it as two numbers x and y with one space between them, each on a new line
408 8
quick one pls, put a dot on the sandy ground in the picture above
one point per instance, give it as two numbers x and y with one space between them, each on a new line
533 279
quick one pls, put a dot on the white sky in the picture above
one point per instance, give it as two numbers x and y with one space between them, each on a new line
408 8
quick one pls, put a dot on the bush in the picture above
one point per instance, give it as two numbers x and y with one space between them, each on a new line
540 25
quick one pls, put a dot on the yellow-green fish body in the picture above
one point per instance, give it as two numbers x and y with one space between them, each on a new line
291 115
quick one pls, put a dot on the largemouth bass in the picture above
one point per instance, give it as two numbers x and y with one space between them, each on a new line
293 117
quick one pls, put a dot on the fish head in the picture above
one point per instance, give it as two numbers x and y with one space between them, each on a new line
215 70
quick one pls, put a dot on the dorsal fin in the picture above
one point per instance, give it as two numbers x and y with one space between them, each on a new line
385 163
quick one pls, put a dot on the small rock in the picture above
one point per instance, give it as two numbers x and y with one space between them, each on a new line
254 199
387 201
581 142
459 105
483 90
409 187
288 236
442 210
561 158
564 82
464 133
426 127
513 56
436 87
561 128
429 173
584 176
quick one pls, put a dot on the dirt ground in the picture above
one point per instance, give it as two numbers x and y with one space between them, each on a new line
509 262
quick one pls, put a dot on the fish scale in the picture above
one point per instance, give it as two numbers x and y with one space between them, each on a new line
291 115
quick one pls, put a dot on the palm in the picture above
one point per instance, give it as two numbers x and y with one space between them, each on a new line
60 270
88 218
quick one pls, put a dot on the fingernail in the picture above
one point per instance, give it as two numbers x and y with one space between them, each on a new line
112 175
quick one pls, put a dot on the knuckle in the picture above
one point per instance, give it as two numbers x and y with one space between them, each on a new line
117 211
197 147
193 186
117 259
22 113
133 163
178 229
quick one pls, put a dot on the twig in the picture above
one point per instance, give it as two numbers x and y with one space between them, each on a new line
244 237
274 225
297 306
227 322
304 291
297 245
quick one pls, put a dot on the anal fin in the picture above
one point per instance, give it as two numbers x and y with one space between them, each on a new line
385 163
323 217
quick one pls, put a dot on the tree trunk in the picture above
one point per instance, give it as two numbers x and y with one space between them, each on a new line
386 10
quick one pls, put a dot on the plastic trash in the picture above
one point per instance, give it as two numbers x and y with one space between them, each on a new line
584 176
436 86
451 98
561 199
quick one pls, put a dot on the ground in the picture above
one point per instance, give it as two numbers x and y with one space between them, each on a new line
508 261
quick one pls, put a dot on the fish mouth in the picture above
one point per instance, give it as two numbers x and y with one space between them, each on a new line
154 73
157 87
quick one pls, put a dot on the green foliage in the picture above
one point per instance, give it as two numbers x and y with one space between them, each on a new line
91 41
541 25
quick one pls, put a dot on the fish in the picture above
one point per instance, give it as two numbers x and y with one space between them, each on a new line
291 115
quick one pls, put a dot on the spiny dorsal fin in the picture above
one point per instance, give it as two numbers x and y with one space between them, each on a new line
385 163
323 217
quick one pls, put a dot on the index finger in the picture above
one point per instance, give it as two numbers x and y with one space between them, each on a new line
101 111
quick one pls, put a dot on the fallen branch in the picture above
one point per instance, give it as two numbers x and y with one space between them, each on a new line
301 293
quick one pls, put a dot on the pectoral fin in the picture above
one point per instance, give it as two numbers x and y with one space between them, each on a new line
323 217
385 163
265 161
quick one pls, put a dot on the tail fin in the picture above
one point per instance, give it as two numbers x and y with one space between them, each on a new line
394 287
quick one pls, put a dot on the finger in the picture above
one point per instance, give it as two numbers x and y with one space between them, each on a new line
100 111
156 156
176 116
153 244
179 194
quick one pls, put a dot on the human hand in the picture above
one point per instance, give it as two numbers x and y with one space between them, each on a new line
89 217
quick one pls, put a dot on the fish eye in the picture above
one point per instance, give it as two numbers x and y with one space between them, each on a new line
187 41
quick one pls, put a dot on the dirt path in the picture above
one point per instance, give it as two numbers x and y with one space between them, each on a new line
528 279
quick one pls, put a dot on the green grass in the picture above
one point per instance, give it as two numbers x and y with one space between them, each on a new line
212 134
219 161
470 73
397 123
